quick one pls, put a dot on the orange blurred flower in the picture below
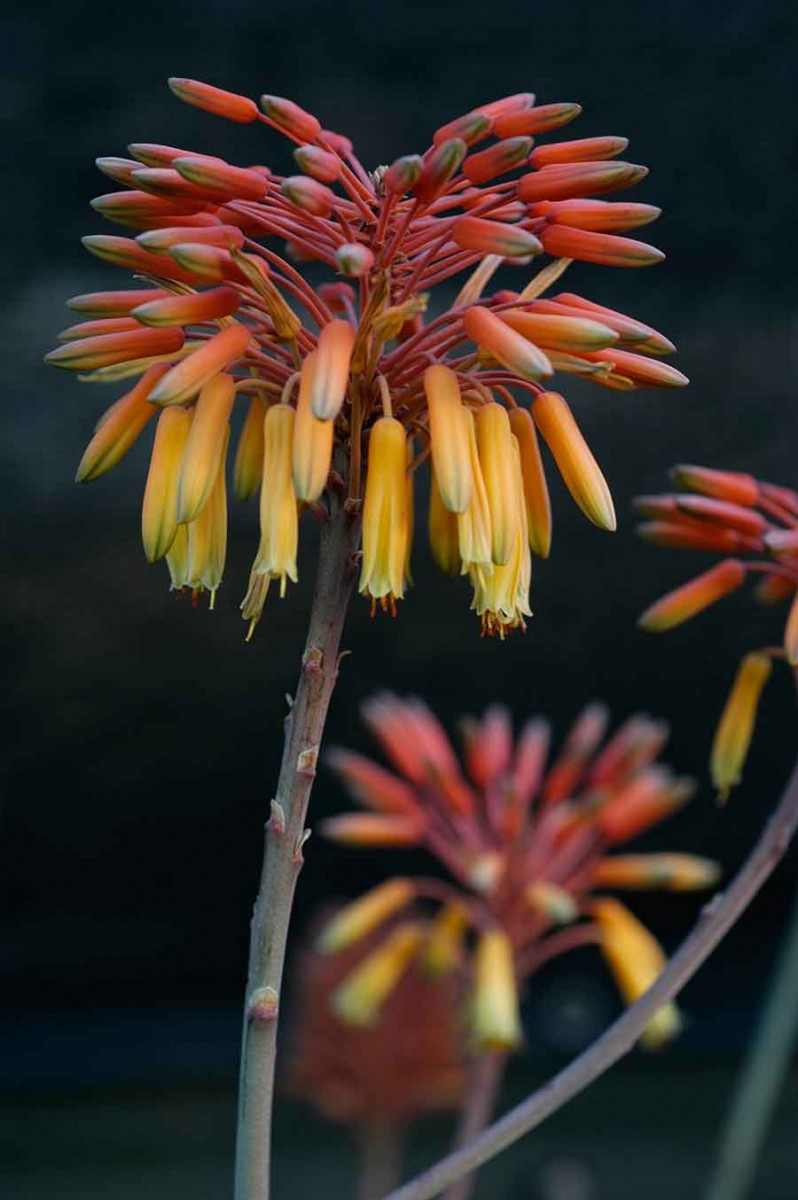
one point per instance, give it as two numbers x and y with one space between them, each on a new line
225 313
526 845
729 513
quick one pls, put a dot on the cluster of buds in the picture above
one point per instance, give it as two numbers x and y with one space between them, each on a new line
754 525
406 1061
526 847
349 388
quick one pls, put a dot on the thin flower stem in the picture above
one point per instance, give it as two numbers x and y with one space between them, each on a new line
285 836
483 1092
715 921
381 1144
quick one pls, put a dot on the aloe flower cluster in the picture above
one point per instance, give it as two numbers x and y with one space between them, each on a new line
527 846
754 525
349 386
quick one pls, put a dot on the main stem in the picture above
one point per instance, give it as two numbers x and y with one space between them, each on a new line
380 1159
485 1085
715 921
285 836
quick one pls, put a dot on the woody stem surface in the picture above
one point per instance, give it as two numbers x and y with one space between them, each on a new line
285 834
714 923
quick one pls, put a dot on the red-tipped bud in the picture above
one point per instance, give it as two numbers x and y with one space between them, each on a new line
491 237
536 492
371 829
92 353
105 325
472 127
186 379
119 428
292 119
338 142
734 486
138 209
402 175
308 195
512 350
632 333
693 597
125 252
154 154
215 100
119 169
676 536
497 159
734 516
160 241
600 216
563 242
354 259
519 102
650 797
581 150
204 264
189 310
439 169
241 183
567 334
535 120
318 163
573 180
113 304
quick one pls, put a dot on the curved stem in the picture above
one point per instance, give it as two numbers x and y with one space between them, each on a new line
485 1085
285 837
715 921
380 1159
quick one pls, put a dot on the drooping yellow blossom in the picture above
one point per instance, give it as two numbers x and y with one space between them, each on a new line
313 441
359 918
159 510
496 1023
279 523
736 726
359 998
385 514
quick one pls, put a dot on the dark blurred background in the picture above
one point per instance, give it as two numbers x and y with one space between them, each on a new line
142 737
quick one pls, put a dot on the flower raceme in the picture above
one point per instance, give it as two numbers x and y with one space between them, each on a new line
336 376
526 847
755 526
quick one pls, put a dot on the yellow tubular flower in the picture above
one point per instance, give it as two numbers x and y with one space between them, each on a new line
354 921
410 506
199 469
496 452
385 514
473 525
449 439
313 441
177 559
444 945
248 466
207 537
536 491
442 529
736 725
671 872
359 998
495 1021
159 511
501 597
279 522
636 960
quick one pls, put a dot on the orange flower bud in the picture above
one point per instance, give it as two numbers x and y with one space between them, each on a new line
138 209
497 159
360 997
448 438
736 726
385 513
535 120
580 150
119 428
119 169
308 195
160 241
552 902
564 242
402 175
648 799
560 333
371 829
579 469
185 380
170 184
732 516
330 373
371 785
601 216
637 370
159 511
439 169
313 441
471 128
734 486
443 530
248 466
203 264
492 237
536 492
671 872
212 176
636 959
338 142
632 333
292 119
202 456
215 100
319 163
689 536
279 525
155 154
360 918
496 453
519 102
97 328
496 1022
773 589
354 259
573 180
791 634
512 350
91 353
189 310
693 597
114 304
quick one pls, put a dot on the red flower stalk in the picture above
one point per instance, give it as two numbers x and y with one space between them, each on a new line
214 243
525 844
729 513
